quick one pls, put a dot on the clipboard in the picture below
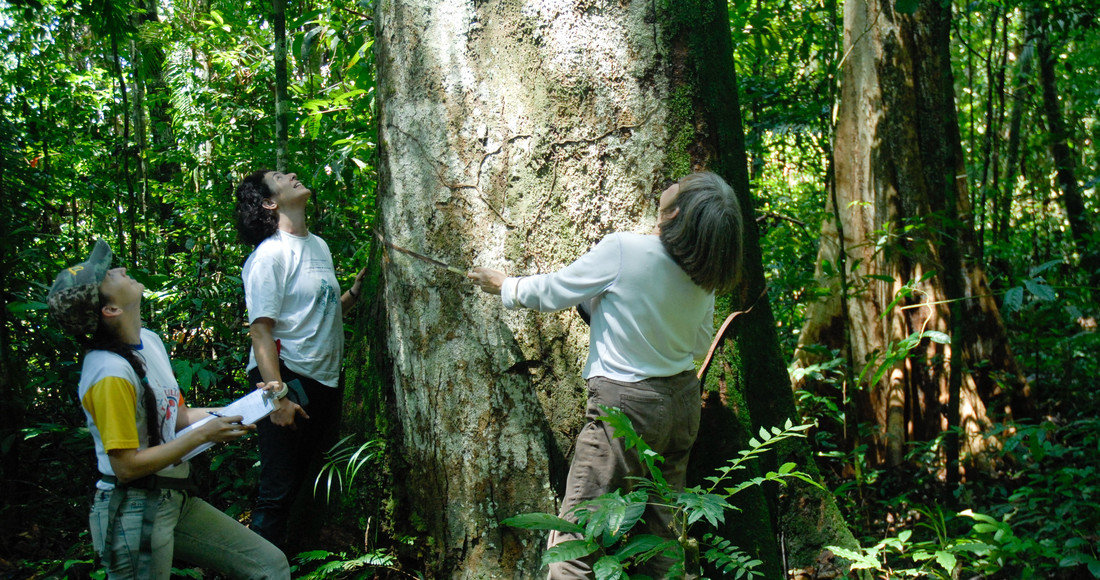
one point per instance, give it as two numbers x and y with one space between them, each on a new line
253 407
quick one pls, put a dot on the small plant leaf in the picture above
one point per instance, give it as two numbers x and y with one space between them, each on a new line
1014 299
947 560
937 336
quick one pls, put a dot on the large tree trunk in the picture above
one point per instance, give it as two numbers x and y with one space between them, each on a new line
515 137
749 388
1065 166
901 199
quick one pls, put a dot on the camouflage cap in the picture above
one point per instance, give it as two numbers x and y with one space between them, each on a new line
74 296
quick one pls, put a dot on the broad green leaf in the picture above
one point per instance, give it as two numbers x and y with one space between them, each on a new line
1033 272
342 98
618 420
364 49
541 521
977 516
860 561
1040 289
623 517
569 550
608 568
308 41
704 505
23 307
637 545
304 19
184 372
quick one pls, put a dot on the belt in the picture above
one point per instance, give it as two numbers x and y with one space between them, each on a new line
152 482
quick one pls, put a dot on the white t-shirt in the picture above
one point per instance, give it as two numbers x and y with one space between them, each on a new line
291 280
648 319
112 396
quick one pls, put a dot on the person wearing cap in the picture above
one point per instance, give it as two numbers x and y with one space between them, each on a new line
295 314
144 515
649 302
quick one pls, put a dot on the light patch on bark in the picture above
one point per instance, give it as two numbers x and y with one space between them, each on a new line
514 135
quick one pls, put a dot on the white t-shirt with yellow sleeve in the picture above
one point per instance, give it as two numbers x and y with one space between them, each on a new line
112 396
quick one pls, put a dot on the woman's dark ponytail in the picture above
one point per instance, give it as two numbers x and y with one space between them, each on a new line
107 339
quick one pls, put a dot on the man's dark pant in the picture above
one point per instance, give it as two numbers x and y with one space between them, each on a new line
665 413
287 455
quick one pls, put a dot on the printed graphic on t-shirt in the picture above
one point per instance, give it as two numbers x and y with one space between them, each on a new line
327 298
171 403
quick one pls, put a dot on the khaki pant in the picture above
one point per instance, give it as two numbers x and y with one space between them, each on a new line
665 413
186 529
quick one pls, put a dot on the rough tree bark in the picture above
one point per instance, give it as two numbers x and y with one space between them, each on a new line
748 388
901 198
516 136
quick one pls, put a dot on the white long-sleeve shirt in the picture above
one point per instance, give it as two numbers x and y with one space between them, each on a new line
648 319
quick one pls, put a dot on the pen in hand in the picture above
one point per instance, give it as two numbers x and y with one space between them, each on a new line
217 414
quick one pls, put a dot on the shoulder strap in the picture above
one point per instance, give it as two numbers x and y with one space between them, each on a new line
721 335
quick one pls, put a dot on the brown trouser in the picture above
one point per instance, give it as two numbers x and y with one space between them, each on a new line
665 413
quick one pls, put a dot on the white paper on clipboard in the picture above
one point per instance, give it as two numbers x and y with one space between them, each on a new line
253 407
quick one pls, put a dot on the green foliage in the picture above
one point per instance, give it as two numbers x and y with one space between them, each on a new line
163 200
70 174
1040 520
991 548
343 463
728 559
1034 285
606 522
327 564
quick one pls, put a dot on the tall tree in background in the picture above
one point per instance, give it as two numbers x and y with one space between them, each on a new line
748 389
281 131
1002 204
154 136
1065 163
515 138
110 19
902 240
